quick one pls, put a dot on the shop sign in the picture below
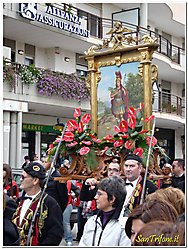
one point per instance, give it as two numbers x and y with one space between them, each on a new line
42 128
54 17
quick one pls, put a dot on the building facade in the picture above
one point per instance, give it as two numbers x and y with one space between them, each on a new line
53 37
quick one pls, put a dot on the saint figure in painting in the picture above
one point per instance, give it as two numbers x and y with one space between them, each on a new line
119 99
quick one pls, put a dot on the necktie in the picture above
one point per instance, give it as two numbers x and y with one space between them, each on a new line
129 183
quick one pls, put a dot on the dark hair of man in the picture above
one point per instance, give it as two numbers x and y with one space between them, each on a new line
181 162
26 157
114 186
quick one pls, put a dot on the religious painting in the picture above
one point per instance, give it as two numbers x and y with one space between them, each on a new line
120 76
119 88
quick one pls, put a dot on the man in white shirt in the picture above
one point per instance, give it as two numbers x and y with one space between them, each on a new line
134 183
47 228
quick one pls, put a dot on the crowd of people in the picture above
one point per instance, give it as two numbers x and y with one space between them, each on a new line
122 209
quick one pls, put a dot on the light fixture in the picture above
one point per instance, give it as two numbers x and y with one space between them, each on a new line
67 59
20 51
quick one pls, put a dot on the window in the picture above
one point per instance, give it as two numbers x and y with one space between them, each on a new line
29 54
29 61
81 65
81 73
11 44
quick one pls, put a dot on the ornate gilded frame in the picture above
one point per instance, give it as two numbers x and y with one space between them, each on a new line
122 47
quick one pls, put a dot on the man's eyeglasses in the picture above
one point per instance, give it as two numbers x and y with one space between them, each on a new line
113 169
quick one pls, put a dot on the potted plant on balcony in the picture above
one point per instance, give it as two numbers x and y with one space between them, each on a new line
29 75
9 74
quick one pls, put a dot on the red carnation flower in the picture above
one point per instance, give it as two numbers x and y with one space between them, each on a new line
68 136
154 141
87 142
84 150
118 143
129 144
131 112
125 136
132 122
77 112
123 126
72 144
117 129
80 127
72 125
138 152
86 118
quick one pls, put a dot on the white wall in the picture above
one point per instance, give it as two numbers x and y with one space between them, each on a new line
176 89
178 144
41 57
20 46
61 65
53 58
179 11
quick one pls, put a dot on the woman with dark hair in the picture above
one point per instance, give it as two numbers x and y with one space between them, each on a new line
10 187
119 99
151 210
104 229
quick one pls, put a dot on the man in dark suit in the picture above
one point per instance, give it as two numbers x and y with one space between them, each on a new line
134 183
47 229
178 178
56 189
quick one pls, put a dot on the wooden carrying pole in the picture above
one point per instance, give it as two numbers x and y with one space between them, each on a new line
147 164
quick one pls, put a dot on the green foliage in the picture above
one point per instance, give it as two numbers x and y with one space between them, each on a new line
9 73
135 88
91 160
29 75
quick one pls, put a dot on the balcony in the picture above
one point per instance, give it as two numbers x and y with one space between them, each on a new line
16 87
98 28
45 91
168 103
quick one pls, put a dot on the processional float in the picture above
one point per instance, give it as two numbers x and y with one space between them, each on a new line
89 152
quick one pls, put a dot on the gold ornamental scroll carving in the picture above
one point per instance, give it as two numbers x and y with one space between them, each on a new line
121 46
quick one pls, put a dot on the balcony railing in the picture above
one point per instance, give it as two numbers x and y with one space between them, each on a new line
99 26
168 103
162 101
17 78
